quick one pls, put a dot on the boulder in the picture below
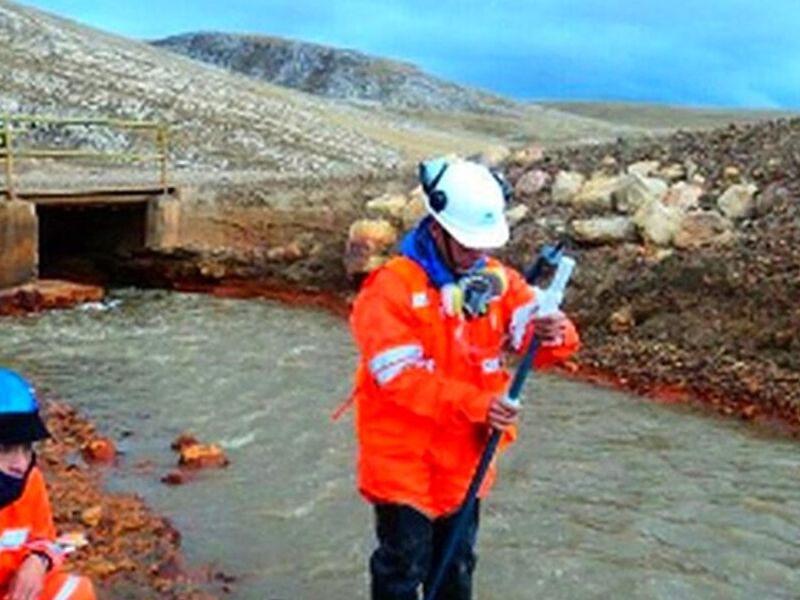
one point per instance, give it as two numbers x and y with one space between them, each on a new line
698 180
201 456
622 320
531 182
176 477
603 230
737 201
516 214
494 155
683 196
367 244
773 195
92 516
415 209
288 253
703 228
731 174
184 440
211 268
691 168
672 172
388 205
635 191
45 294
595 194
657 224
527 155
643 168
99 450
566 186
608 163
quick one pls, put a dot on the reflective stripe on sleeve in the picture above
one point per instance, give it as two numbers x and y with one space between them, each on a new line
520 320
70 585
388 364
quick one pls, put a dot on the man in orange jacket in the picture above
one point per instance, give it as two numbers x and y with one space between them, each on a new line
30 559
431 326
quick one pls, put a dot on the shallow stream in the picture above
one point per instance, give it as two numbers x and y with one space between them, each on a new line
605 496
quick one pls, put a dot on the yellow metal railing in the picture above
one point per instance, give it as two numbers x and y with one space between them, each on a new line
10 154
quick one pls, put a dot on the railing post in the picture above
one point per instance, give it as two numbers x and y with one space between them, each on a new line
163 149
10 193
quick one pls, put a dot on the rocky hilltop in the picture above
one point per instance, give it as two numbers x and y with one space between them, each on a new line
333 72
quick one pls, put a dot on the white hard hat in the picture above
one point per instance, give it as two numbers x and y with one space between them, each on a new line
468 200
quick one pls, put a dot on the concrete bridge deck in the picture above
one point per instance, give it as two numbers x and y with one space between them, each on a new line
95 197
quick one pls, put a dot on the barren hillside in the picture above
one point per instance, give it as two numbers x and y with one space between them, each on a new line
221 121
53 66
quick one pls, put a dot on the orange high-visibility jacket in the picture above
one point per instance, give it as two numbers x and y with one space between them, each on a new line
425 381
26 526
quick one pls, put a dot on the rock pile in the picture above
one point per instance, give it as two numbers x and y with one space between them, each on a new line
689 260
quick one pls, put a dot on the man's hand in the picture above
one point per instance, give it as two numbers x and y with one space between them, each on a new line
502 415
28 580
550 329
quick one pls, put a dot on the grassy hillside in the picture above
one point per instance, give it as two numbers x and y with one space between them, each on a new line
657 116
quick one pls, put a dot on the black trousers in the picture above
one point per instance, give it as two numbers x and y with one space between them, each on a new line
409 550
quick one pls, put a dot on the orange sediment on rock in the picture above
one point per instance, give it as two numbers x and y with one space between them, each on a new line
99 450
131 551
782 418
193 456
201 456
336 303
45 294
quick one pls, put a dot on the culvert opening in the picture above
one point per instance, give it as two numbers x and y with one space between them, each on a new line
90 244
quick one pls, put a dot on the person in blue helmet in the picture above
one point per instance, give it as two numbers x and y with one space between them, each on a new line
30 559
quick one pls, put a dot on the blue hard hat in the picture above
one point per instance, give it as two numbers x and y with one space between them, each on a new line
20 422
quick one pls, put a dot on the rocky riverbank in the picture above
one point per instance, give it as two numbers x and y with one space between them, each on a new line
131 552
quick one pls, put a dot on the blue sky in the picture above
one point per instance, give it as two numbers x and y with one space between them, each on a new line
742 53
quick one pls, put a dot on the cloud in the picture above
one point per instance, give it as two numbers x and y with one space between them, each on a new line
722 52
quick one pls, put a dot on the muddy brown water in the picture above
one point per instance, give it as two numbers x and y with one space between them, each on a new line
605 496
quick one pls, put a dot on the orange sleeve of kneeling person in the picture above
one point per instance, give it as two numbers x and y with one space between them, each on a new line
40 516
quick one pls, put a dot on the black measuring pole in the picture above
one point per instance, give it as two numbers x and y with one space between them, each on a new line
549 256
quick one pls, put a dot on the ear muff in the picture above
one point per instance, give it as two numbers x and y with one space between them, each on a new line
508 191
436 198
